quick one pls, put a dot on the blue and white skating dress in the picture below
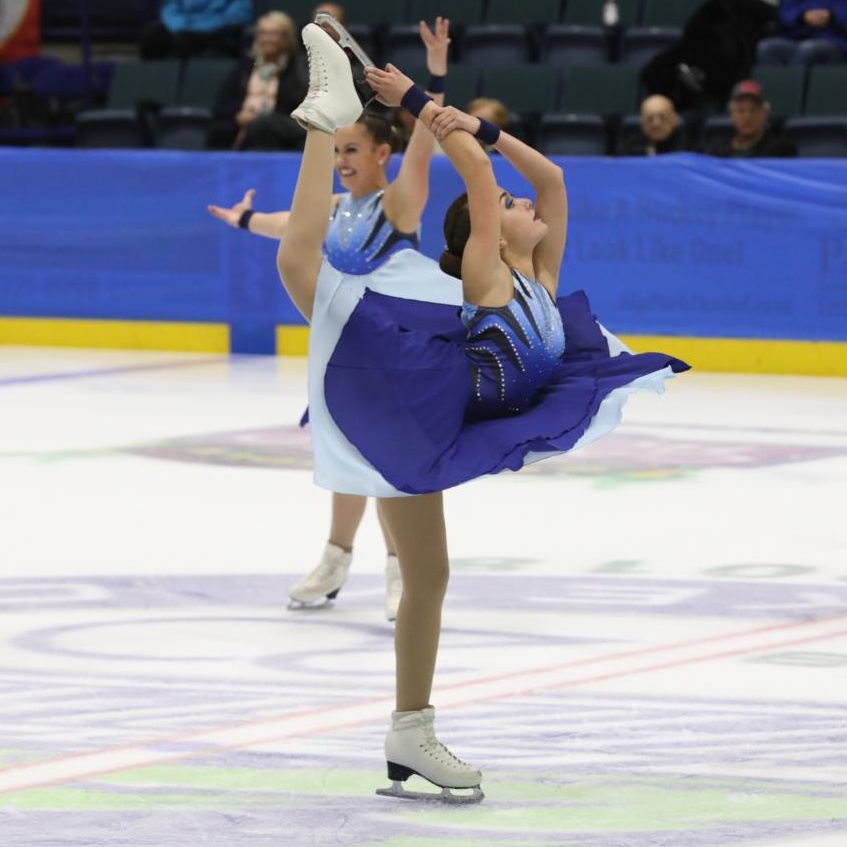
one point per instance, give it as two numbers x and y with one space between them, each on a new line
411 394
360 238
359 242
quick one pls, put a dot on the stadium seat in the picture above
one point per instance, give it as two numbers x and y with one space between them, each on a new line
138 91
183 128
402 46
717 129
44 107
495 44
566 45
108 20
378 13
639 44
590 12
609 90
139 82
522 128
109 129
827 94
461 13
573 135
202 81
526 89
783 88
64 82
523 12
668 13
25 70
186 126
628 129
818 137
462 83
104 73
7 80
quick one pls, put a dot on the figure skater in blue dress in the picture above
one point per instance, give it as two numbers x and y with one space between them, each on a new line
370 221
408 397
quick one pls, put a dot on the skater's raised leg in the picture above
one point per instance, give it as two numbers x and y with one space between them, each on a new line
331 102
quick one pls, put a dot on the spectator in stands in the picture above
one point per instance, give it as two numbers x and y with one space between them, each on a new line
661 131
256 99
492 110
810 32
750 112
484 108
186 28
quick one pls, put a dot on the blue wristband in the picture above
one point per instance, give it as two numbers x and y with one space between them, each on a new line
487 132
414 100
436 84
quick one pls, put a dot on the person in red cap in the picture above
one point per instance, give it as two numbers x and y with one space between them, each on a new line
750 111
811 32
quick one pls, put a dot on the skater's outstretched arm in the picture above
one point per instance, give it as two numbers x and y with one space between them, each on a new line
486 280
267 224
406 197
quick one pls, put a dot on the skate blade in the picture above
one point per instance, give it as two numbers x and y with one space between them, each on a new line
315 606
446 795
359 60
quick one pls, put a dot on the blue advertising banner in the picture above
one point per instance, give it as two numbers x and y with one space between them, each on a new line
677 245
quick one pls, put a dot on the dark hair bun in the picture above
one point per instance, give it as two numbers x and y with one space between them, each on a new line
451 264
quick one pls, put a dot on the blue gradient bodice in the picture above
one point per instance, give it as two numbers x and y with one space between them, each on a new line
514 349
360 238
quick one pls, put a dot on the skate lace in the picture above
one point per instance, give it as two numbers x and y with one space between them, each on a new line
432 747
317 71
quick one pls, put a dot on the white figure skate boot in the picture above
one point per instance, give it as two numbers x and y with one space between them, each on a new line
412 748
332 100
393 586
324 582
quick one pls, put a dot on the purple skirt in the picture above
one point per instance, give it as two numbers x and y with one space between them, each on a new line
398 384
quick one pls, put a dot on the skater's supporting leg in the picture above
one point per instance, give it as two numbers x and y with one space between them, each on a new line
417 528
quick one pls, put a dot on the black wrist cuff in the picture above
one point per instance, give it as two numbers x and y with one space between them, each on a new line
487 132
436 84
414 100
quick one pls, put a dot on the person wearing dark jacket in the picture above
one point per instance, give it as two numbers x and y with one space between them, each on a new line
256 99
717 48
750 112
811 32
186 28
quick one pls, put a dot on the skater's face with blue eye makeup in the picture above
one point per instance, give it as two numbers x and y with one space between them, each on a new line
520 224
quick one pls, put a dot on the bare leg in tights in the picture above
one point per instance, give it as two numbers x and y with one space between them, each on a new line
347 513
